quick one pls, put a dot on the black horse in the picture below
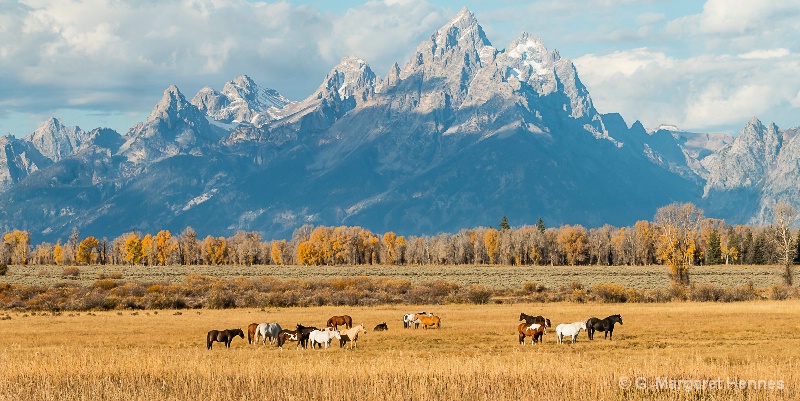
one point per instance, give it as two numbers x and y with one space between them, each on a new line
606 325
535 319
303 333
223 336
381 327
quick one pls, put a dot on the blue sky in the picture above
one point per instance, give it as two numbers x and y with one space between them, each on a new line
704 66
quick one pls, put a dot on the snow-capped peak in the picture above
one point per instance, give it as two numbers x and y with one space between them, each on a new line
241 100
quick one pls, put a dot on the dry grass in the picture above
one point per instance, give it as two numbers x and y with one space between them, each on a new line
150 355
639 277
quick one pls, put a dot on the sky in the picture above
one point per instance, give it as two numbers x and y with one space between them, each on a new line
702 66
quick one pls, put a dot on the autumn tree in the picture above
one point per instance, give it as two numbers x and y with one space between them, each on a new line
784 241
390 245
58 253
17 247
133 249
573 243
491 240
215 250
278 250
678 225
85 249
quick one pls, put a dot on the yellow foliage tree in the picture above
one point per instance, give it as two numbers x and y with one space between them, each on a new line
390 242
276 253
19 244
58 253
678 226
574 243
163 247
133 249
84 254
491 240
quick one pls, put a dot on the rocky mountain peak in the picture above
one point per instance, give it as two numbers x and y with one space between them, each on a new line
241 100
352 77
56 141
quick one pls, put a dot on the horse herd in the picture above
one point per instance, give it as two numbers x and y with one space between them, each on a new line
534 327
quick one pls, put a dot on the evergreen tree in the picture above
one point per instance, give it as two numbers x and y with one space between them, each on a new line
504 223
540 225
797 254
756 253
713 248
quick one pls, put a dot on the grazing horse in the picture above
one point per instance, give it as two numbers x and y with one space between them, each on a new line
534 319
265 330
323 337
223 336
409 319
381 327
606 325
337 321
303 332
288 335
353 333
251 332
428 321
569 329
535 331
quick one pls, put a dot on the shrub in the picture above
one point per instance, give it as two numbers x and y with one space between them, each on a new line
779 292
608 292
478 294
705 293
3 269
71 271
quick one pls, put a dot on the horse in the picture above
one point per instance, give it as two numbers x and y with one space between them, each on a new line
288 335
251 332
534 319
352 334
569 329
381 327
265 330
223 336
409 319
428 321
303 333
337 321
323 337
606 325
535 331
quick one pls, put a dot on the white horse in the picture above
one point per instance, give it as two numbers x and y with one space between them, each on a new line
324 337
270 330
569 329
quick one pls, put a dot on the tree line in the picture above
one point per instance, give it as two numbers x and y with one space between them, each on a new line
679 236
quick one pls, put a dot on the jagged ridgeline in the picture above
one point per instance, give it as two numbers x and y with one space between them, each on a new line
462 133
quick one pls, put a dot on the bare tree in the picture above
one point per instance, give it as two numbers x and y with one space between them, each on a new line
783 240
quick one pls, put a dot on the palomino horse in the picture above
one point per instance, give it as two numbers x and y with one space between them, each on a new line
381 327
337 321
535 331
606 325
569 329
353 333
265 330
534 319
323 336
251 332
223 336
428 321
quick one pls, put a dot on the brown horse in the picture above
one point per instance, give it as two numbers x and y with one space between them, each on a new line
535 331
381 327
337 321
223 336
288 335
428 321
251 332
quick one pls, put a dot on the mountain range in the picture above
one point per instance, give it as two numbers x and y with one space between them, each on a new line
460 135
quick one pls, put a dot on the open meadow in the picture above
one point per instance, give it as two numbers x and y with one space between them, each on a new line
663 351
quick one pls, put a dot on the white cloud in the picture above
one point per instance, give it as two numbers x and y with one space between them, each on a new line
766 54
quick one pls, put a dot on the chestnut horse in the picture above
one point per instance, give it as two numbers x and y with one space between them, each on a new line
535 331
428 321
251 332
337 321
223 336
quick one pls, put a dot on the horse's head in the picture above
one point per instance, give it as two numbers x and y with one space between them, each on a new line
238 332
583 325
617 318
547 323
362 329
522 316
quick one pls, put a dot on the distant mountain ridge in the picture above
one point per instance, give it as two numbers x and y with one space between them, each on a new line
460 135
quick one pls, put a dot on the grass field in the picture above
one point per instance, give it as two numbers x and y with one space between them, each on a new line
149 355
640 277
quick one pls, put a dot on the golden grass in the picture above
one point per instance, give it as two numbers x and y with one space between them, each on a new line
474 356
